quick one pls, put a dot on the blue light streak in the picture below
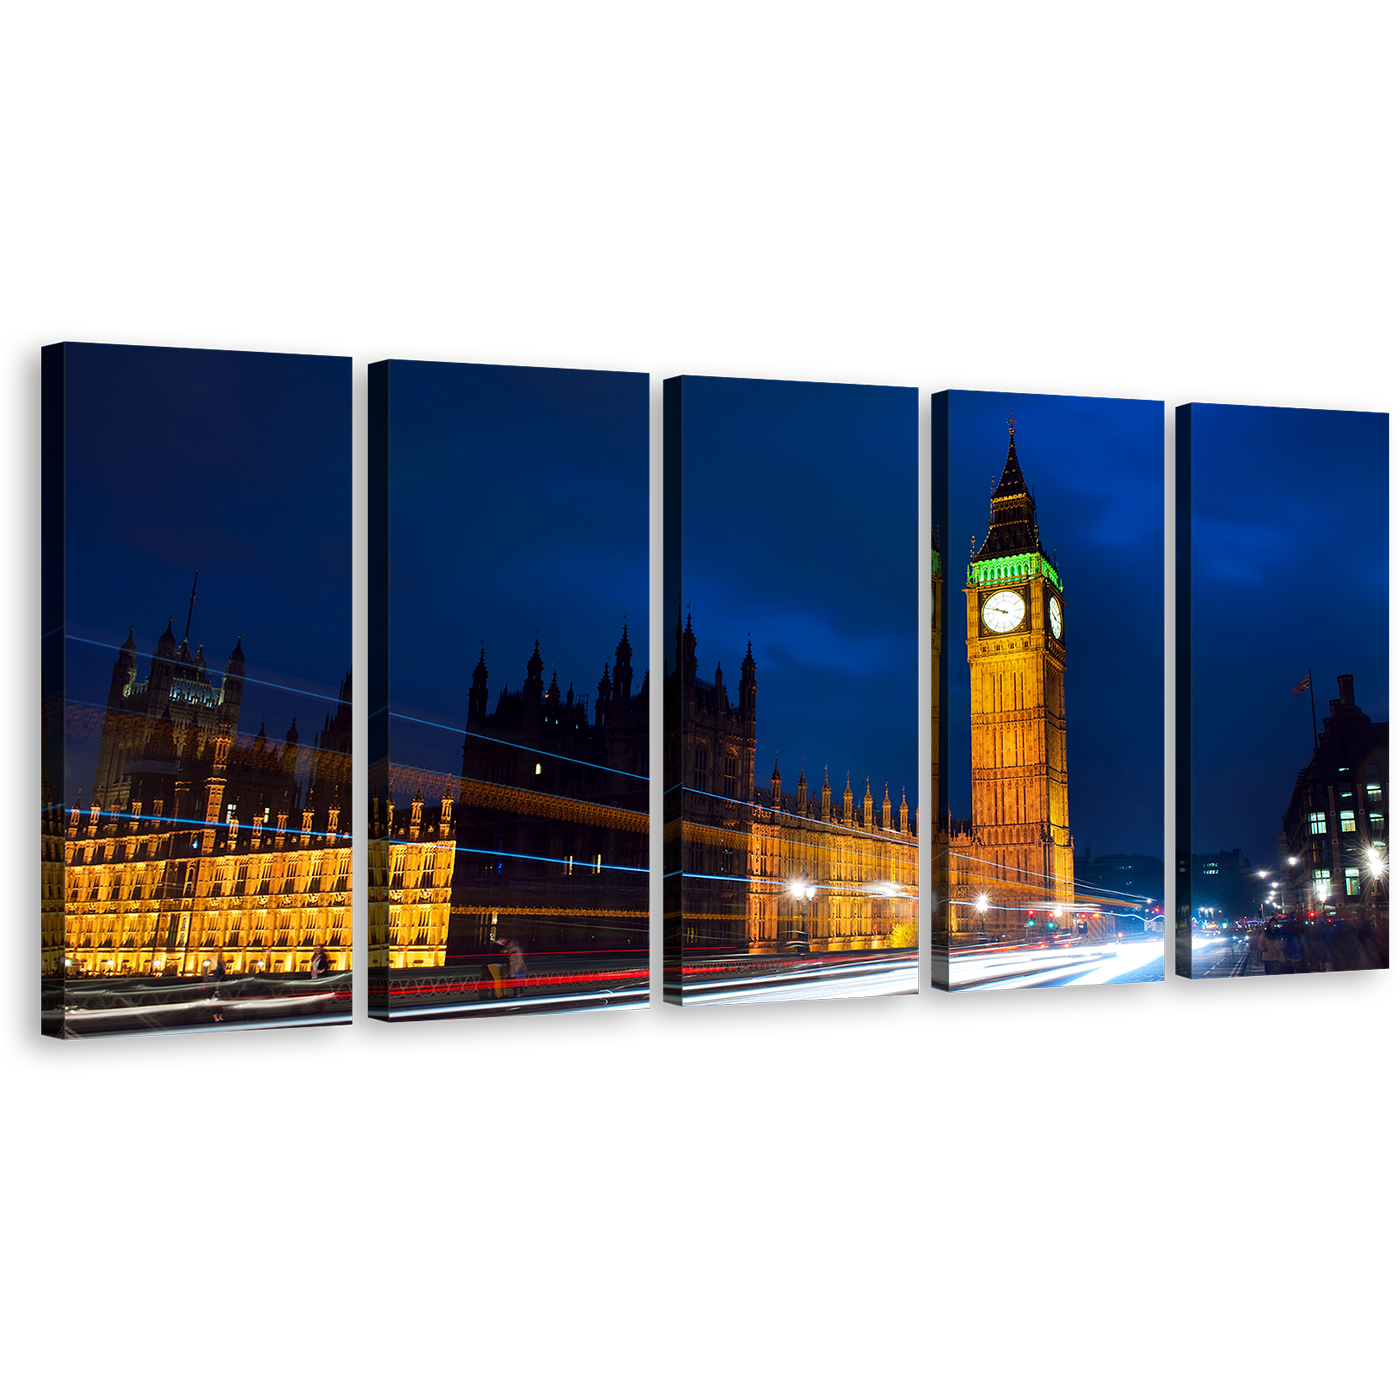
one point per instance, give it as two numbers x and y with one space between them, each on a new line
247 679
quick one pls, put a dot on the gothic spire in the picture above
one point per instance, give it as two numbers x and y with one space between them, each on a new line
1013 528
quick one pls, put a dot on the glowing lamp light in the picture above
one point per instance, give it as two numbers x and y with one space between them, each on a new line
1376 861
981 904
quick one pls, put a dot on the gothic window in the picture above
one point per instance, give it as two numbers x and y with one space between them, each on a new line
731 773
702 763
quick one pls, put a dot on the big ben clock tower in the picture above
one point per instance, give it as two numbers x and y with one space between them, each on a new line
1020 855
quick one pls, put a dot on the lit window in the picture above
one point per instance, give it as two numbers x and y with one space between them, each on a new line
1348 819
1353 879
1378 828
1373 794
1318 823
1322 879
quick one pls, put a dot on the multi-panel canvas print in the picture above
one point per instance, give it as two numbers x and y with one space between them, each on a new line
1047 690
1283 695
508 690
197 693
790 586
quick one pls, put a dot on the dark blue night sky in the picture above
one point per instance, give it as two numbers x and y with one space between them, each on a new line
801 528
1095 469
1290 572
233 463
518 504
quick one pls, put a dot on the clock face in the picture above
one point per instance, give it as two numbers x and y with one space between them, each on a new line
1003 611
1057 619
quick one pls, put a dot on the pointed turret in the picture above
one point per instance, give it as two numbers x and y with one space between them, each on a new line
622 672
748 687
533 690
604 701
826 795
123 669
848 801
165 647
688 655
903 813
233 681
885 810
775 784
802 789
868 809
479 694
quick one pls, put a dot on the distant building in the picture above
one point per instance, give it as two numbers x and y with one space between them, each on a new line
1135 877
1333 847
1226 883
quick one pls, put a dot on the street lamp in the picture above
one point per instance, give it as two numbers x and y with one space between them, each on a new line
800 891
982 910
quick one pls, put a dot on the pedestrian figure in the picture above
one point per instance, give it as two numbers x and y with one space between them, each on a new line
1293 948
1315 948
1347 953
320 963
214 974
516 952
1271 949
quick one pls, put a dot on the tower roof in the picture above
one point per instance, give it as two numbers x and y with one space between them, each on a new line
1013 528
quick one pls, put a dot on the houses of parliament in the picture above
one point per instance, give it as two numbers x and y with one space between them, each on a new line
543 838
767 869
199 842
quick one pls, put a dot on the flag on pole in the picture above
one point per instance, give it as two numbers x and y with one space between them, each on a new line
1304 684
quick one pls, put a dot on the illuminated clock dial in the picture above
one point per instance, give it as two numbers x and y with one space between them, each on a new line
1003 611
1057 619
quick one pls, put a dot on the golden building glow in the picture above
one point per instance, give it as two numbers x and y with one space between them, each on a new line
199 844
1016 854
778 871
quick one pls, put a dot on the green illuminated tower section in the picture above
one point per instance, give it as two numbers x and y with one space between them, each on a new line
1021 855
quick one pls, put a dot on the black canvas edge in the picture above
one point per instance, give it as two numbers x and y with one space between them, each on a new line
378 612
1068 1011
671 794
53 366
1183 691
940 466
923 802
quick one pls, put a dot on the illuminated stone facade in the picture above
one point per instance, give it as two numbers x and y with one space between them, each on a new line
203 845
1016 854
769 871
